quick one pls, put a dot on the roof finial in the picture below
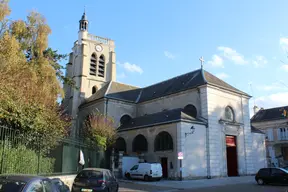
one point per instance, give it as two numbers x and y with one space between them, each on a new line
202 61
84 9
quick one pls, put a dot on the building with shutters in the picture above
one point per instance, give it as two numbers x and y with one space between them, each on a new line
274 123
195 113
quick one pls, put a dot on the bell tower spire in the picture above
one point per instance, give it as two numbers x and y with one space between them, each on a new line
83 23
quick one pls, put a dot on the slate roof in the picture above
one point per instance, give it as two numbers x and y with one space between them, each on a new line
255 130
269 114
174 85
159 118
115 90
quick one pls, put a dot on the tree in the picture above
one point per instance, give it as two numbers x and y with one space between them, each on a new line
31 77
100 130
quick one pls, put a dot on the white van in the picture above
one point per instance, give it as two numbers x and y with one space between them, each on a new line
146 171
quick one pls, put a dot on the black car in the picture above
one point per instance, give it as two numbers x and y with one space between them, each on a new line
95 179
273 175
26 183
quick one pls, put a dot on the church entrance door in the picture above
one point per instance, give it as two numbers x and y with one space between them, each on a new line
231 154
164 167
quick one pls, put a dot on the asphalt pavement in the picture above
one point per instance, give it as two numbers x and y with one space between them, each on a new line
128 187
247 187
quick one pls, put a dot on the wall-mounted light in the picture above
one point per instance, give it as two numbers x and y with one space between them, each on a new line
191 132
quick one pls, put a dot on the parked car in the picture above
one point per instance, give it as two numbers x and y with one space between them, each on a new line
146 171
60 185
95 179
26 183
272 175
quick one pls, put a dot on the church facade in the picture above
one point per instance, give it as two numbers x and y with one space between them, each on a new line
195 115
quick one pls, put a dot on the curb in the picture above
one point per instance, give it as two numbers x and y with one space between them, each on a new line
125 181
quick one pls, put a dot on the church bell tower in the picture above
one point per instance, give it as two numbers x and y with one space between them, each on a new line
92 64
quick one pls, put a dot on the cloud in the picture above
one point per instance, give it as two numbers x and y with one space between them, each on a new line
133 68
273 100
272 87
283 43
232 55
259 61
285 67
121 76
216 61
270 101
222 76
169 55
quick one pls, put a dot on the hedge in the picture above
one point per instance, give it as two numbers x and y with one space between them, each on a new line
22 160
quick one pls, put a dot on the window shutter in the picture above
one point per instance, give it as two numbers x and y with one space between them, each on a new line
279 134
270 134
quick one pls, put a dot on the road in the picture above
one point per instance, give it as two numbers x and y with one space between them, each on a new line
129 187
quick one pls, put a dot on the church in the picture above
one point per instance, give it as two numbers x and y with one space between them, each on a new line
195 124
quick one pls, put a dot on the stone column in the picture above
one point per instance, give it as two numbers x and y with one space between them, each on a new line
112 161
141 158
120 174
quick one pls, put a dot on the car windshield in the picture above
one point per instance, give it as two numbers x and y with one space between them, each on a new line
90 174
10 185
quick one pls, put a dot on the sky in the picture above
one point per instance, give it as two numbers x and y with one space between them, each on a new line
245 43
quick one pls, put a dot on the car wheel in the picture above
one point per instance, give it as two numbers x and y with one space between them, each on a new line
146 178
260 181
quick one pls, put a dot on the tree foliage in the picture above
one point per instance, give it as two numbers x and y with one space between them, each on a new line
99 129
30 80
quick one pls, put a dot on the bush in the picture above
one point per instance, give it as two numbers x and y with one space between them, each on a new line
22 160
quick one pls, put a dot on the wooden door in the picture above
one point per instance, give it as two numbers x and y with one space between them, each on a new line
231 154
164 164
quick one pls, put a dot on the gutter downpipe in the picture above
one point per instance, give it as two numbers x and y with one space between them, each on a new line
106 107
244 135
208 152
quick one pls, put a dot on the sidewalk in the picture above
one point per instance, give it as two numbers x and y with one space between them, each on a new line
190 184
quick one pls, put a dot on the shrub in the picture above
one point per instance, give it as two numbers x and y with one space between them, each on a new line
22 160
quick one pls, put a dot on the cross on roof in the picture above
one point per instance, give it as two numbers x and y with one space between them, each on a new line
202 61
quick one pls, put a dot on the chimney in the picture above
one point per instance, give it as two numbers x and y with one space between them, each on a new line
256 109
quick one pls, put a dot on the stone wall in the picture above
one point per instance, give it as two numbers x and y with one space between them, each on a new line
178 100
116 109
193 147
151 155
217 100
259 151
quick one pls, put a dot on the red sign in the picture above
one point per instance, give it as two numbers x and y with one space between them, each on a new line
230 141
180 155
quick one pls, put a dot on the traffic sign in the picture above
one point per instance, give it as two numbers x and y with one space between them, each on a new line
180 155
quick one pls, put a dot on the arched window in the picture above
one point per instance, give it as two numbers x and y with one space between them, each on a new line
120 144
125 119
229 114
190 110
93 64
94 89
101 69
139 144
163 142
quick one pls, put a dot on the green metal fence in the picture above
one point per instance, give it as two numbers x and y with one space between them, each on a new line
22 154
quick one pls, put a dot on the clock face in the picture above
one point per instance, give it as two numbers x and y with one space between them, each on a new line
98 48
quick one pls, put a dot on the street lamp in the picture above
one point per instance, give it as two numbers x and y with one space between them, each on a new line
191 132
180 154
